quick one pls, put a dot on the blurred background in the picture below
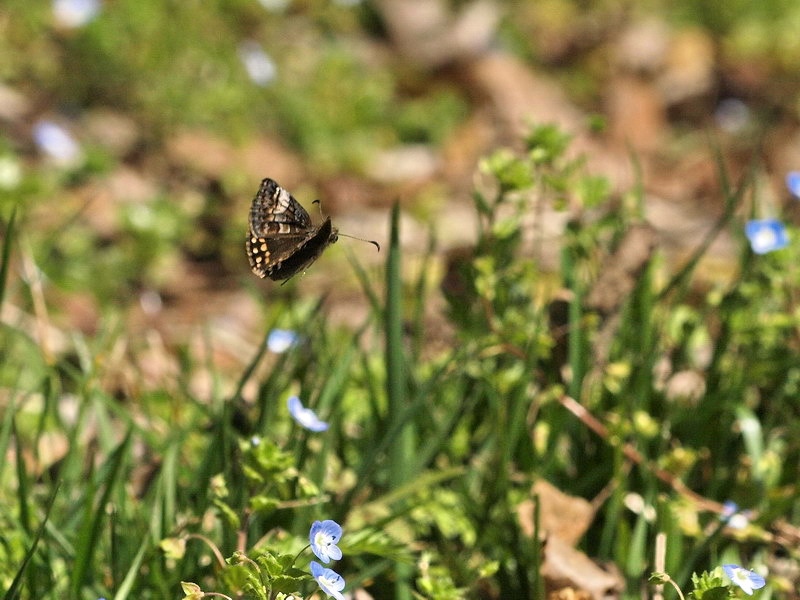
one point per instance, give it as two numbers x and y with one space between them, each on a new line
134 134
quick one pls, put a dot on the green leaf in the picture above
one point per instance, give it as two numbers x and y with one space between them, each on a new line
287 584
270 563
192 591
546 143
511 172
264 505
227 513
174 548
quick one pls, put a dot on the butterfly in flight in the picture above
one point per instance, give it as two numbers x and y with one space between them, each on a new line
282 241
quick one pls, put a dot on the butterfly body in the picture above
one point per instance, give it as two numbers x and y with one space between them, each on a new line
282 240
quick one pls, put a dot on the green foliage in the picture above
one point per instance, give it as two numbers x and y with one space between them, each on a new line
710 586
433 448
435 583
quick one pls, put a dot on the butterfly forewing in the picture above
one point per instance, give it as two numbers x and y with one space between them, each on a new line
274 210
282 241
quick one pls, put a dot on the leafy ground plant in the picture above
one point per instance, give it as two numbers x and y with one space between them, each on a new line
425 458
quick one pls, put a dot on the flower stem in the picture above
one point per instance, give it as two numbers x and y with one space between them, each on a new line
675 585
294 560
211 545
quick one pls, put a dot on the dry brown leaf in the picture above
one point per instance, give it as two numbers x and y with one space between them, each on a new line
561 515
566 567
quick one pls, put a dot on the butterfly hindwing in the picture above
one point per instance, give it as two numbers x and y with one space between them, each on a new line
282 241
264 253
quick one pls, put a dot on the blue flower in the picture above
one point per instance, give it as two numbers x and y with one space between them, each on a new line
56 142
329 580
280 340
793 183
274 5
744 578
766 235
305 416
75 13
259 66
323 537
735 518
732 115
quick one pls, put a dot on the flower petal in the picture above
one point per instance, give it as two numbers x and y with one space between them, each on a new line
793 183
329 580
75 13
280 340
766 235
744 578
323 537
259 66
305 416
56 142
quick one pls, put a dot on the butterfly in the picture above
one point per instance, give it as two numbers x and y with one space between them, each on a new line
282 241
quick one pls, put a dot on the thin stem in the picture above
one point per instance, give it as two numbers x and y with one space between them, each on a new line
675 585
210 544
294 560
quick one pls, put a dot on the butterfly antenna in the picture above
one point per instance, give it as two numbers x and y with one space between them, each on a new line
318 202
352 237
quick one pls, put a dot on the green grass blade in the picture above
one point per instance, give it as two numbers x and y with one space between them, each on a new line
130 577
23 493
732 200
6 430
419 298
576 350
89 536
13 591
396 383
366 286
402 451
5 259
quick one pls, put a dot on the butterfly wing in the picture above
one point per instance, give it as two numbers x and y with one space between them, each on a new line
280 256
282 240
265 253
275 211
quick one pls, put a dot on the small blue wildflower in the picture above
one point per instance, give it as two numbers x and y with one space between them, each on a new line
259 66
793 183
305 416
329 580
744 578
274 5
280 340
729 507
75 13
735 518
323 537
732 115
766 235
56 142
